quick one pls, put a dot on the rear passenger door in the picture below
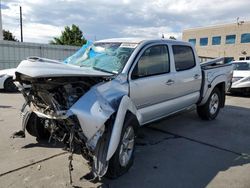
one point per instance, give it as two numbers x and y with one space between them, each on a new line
151 83
187 75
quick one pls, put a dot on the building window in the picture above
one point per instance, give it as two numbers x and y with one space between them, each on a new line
230 39
245 38
203 41
248 58
242 58
216 40
192 41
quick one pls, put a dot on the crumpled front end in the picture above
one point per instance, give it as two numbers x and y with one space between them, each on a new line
73 109
70 100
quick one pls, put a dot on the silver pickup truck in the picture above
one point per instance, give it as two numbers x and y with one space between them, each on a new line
96 99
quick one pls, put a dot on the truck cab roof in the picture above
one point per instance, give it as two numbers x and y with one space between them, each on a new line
141 40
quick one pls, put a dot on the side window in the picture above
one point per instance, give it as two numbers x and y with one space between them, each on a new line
183 57
192 41
245 38
203 41
154 61
230 39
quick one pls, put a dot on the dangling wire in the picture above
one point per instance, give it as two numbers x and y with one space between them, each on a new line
71 150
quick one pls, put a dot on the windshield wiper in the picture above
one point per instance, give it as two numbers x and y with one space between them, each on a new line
99 69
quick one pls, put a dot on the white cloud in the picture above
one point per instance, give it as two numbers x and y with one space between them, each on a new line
122 18
43 32
149 32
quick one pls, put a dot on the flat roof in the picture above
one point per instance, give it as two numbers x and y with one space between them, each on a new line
216 26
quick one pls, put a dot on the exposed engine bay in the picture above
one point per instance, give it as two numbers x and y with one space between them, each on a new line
48 101
52 95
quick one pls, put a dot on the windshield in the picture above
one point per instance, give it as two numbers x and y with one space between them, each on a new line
241 66
106 57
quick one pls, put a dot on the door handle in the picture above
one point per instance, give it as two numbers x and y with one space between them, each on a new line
196 76
169 82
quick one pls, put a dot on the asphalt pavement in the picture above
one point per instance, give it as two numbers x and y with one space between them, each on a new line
179 151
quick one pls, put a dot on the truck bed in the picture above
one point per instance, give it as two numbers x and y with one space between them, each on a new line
212 72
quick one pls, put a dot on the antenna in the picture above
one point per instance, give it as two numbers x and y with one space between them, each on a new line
21 23
239 22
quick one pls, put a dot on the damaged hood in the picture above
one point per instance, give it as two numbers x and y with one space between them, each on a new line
39 67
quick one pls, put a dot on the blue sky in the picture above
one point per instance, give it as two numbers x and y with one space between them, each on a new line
44 19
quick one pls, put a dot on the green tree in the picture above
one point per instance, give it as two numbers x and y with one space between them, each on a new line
70 36
7 35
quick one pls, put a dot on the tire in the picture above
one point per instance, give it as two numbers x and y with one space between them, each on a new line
211 108
118 166
9 85
36 128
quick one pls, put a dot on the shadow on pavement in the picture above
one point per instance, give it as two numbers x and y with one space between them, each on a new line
165 160
238 94
4 106
44 143
185 151
6 92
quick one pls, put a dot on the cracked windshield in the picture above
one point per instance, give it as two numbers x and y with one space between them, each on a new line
106 57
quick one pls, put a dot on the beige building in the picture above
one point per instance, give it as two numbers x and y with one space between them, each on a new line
231 41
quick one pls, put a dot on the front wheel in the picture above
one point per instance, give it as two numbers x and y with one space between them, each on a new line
9 85
35 127
211 108
123 158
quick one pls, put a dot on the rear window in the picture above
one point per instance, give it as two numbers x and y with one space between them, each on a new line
183 57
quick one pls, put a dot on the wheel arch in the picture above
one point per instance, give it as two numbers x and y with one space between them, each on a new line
222 88
220 83
126 108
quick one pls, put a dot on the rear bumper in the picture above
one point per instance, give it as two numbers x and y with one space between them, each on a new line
240 90
240 85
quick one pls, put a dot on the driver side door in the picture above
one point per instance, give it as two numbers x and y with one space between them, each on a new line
152 83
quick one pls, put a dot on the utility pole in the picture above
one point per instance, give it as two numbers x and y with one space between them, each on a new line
1 27
21 24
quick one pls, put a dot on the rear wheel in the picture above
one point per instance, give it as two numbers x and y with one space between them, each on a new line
123 158
9 85
211 108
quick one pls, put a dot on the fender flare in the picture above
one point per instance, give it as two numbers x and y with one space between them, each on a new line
125 105
25 115
218 80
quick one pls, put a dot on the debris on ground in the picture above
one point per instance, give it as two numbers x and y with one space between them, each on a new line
18 134
39 167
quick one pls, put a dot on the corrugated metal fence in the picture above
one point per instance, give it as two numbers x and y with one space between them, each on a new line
12 53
